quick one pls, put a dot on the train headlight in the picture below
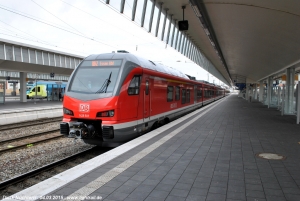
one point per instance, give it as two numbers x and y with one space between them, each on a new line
68 112
109 113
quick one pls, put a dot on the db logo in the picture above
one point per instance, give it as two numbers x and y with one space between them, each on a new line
84 107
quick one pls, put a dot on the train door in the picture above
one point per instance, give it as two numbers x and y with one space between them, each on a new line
147 95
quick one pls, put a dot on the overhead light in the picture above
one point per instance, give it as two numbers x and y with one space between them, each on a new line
206 31
196 11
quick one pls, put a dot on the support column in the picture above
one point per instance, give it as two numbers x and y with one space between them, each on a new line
247 91
289 91
255 91
298 103
261 91
269 90
23 95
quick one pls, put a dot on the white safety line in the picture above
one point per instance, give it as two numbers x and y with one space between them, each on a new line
46 187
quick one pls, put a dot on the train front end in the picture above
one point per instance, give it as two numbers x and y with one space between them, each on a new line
90 100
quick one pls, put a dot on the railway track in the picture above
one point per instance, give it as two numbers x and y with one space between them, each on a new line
26 180
28 141
29 123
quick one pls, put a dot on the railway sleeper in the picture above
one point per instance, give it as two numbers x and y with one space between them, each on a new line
13 189
31 181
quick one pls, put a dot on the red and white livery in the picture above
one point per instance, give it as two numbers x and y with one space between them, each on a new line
115 97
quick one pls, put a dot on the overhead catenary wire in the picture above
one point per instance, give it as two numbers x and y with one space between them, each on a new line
57 17
56 27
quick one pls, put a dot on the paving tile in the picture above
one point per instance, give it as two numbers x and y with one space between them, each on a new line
214 197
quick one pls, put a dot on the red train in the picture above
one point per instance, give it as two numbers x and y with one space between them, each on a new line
115 97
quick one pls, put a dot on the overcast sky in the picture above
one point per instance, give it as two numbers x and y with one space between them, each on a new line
88 27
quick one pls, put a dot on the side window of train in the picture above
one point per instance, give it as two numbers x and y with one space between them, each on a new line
39 89
177 93
199 94
170 90
188 95
147 87
134 86
183 96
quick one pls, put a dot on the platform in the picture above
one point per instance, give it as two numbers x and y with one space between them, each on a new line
210 154
14 111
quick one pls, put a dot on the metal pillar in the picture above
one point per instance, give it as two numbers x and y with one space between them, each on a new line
255 91
269 90
261 91
298 102
23 95
289 91
133 10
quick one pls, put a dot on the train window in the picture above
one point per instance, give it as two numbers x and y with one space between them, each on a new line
170 90
177 93
134 86
188 95
39 89
183 96
199 94
147 87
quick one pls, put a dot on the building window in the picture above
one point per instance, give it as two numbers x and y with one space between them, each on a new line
170 90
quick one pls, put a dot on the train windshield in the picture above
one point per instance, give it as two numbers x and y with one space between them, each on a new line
93 77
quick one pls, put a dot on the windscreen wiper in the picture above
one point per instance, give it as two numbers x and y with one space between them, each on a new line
103 89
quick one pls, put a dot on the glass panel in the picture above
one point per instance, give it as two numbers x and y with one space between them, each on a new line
139 11
170 93
128 8
93 79
161 24
183 96
154 22
1 51
39 57
134 86
32 56
9 53
171 32
166 30
46 58
116 4
25 55
17 51
147 15
177 93
175 35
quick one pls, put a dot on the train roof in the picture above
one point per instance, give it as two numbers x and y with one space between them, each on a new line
140 61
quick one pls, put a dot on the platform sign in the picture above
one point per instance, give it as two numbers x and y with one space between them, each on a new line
240 86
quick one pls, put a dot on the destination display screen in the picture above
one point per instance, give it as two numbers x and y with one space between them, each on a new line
102 63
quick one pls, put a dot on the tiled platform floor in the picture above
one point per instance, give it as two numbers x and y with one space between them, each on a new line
214 158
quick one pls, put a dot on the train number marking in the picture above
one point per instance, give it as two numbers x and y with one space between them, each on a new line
84 115
173 105
84 107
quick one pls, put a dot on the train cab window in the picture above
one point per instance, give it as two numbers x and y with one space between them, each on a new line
177 93
170 90
188 95
134 86
183 96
